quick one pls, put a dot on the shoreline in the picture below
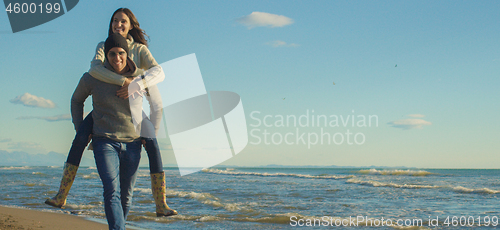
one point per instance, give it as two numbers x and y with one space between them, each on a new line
23 218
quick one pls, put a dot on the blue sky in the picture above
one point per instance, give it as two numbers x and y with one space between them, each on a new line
438 108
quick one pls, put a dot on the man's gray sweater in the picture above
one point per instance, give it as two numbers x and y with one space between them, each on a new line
111 114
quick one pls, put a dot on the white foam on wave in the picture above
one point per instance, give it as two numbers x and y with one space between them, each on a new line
395 172
458 189
142 174
205 198
384 184
143 190
461 189
208 219
227 172
149 216
193 195
208 199
92 175
80 206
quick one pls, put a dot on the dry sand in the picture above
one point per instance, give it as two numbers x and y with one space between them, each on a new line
17 218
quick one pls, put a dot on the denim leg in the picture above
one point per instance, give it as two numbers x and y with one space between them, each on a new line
129 163
106 154
81 140
153 150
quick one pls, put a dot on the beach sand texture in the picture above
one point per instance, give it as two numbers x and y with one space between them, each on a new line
17 218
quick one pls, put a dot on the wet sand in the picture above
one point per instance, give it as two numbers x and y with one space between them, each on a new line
18 218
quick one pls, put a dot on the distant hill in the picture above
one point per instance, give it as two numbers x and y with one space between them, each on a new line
18 158
307 166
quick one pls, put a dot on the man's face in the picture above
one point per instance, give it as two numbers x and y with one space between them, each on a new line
117 58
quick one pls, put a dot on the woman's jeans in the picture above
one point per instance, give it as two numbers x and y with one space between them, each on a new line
82 138
117 164
153 150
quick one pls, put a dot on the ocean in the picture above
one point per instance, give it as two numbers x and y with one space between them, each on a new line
280 198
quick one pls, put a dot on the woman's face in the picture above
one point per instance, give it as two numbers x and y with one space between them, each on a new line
117 58
121 24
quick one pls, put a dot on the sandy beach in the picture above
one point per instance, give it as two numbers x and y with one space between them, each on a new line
18 218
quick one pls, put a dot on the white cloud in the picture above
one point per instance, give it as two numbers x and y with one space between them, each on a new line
409 123
416 115
33 101
256 19
62 117
279 43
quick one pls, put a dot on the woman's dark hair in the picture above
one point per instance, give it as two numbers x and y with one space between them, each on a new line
136 32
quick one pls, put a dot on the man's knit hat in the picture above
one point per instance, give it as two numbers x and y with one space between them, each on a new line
115 40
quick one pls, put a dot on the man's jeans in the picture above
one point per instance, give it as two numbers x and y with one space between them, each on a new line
82 138
117 164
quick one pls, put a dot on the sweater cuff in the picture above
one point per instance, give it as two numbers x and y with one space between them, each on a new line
123 81
141 85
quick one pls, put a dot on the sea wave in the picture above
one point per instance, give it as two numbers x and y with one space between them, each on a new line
280 218
461 189
388 184
209 199
273 219
193 195
231 172
318 221
144 174
268 218
14 167
395 172
34 184
150 216
324 221
143 190
458 189
79 206
92 175
209 219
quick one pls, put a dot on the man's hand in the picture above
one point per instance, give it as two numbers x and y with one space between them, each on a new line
127 82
